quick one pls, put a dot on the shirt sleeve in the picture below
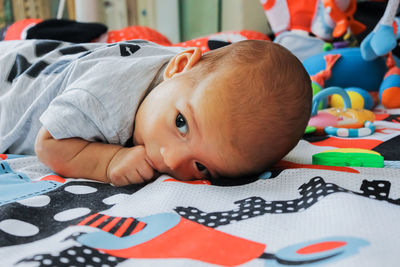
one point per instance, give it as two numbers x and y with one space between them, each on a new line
77 113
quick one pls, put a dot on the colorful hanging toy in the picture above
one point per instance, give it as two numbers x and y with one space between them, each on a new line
367 82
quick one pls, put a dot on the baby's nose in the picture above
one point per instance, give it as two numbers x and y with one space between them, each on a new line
174 156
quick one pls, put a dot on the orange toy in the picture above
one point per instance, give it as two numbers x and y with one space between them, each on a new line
324 18
344 19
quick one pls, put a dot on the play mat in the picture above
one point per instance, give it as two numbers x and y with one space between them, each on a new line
298 214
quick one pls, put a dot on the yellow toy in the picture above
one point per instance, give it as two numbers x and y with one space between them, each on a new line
359 98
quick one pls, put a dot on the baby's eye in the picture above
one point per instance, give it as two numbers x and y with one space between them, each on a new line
181 124
203 170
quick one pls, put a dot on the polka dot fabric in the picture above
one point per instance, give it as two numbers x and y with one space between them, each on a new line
311 193
146 33
228 36
137 32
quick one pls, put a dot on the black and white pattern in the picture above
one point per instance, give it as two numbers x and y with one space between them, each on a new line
64 206
312 192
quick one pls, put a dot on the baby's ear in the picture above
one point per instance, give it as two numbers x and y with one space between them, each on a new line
182 62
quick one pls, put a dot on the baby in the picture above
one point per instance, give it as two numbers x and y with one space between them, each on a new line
126 112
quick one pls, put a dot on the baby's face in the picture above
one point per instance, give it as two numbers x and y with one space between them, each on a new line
184 132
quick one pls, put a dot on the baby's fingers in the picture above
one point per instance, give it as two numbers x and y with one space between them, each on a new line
145 171
120 180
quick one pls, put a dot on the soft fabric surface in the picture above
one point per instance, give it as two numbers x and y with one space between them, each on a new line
302 215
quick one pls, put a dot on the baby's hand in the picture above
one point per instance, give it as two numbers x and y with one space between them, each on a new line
129 166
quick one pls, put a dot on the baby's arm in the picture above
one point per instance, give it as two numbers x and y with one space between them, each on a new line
78 158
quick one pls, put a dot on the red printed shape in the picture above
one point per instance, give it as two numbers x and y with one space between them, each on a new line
283 164
321 247
3 156
191 240
188 182
381 117
54 178
348 142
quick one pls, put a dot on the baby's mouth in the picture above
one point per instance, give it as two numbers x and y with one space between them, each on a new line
156 162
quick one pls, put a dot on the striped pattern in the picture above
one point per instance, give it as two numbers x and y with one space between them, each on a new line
368 129
118 226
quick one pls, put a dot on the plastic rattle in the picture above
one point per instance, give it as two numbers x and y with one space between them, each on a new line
343 122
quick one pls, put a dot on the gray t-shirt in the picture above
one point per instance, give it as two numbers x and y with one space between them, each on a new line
91 91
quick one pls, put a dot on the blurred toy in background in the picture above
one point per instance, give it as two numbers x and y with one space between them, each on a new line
318 79
341 12
382 39
343 122
368 82
389 91
304 27
294 21
380 42
326 19
362 70
359 98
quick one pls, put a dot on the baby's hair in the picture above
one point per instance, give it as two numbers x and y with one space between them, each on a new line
268 94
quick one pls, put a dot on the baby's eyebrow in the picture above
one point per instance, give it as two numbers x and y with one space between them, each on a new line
189 107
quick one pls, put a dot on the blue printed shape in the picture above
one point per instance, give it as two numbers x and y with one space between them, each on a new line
155 225
318 252
15 186
5 168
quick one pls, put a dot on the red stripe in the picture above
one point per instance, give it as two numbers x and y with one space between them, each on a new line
99 221
84 221
123 227
188 182
392 71
138 227
111 224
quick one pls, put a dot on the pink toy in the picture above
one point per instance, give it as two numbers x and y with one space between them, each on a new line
345 122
